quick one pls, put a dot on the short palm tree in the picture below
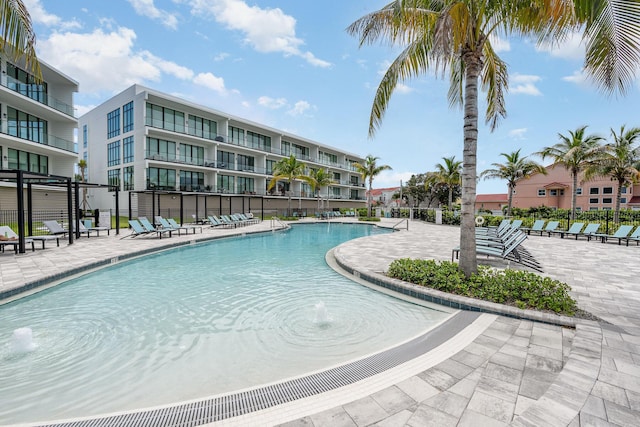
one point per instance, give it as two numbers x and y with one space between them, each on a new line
447 175
576 152
514 169
455 36
319 178
369 169
288 169
18 40
619 160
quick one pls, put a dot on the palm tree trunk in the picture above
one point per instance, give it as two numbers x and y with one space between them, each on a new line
574 195
370 198
616 214
468 263
450 197
510 188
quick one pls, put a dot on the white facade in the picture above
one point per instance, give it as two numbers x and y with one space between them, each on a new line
37 121
143 139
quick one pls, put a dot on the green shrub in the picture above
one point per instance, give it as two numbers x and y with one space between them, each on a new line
521 289
369 218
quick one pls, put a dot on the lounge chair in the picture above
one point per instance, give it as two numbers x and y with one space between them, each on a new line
151 229
85 227
589 231
136 229
13 239
164 225
635 236
516 224
549 229
187 227
214 221
621 233
55 228
574 230
538 225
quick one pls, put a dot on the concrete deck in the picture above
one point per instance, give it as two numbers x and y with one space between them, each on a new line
514 372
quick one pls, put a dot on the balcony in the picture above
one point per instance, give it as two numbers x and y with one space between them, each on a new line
51 141
33 91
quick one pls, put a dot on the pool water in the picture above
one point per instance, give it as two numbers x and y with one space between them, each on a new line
193 322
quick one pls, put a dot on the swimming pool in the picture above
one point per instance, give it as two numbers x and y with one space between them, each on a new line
196 321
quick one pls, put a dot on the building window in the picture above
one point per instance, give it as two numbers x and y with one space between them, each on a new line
606 209
113 153
165 118
26 126
161 179
553 192
579 191
578 209
260 142
236 135
127 178
246 163
623 200
113 179
203 128
246 185
607 190
270 165
355 181
226 183
593 209
286 148
113 123
300 152
191 181
191 154
127 117
623 190
593 200
327 158
85 136
226 160
335 192
607 200
594 190
542 192
24 83
31 162
160 149
127 147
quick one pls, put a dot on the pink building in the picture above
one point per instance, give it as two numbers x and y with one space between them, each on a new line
491 202
384 196
554 190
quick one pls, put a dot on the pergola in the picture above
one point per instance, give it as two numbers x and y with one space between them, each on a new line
26 179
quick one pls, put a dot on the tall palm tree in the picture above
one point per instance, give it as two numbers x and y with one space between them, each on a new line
288 169
576 152
447 175
514 169
369 169
619 160
319 178
456 35
18 40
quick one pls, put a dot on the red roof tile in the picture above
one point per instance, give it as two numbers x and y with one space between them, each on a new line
491 198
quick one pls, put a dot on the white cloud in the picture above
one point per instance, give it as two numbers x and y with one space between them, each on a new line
101 61
221 56
578 77
266 30
299 108
210 81
389 178
571 48
518 133
40 16
147 8
403 89
499 44
81 110
168 67
272 103
524 84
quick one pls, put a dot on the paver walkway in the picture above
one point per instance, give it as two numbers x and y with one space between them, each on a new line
517 372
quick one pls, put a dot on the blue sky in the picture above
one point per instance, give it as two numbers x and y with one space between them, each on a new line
291 65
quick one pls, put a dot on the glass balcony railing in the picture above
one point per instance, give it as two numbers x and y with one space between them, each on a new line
50 140
34 91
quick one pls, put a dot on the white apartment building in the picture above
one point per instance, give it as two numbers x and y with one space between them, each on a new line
37 129
152 145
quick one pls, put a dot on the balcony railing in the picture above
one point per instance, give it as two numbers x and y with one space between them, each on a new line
50 140
33 91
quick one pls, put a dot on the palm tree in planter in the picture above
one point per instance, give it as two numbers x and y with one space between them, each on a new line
456 36
320 178
369 169
576 152
619 160
289 169
514 169
447 175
